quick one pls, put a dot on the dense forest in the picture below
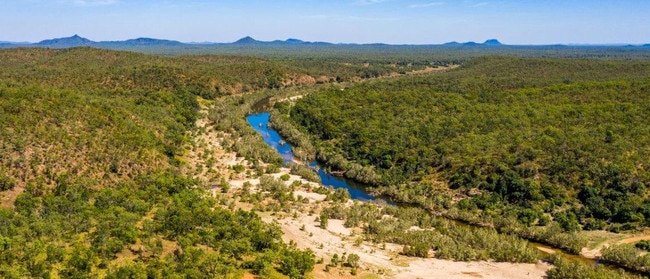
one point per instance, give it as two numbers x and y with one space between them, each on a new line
90 147
565 139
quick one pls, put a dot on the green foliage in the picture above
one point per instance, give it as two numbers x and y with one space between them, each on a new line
130 270
305 172
643 245
342 61
302 147
323 221
6 183
111 225
92 140
83 68
628 256
277 188
238 168
229 116
296 263
417 250
420 233
554 235
93 137
548 134
564 269
352 261
339 195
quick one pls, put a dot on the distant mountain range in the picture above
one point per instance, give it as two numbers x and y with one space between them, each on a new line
490 42
77 41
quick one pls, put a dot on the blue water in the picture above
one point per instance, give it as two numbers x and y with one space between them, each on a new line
260 122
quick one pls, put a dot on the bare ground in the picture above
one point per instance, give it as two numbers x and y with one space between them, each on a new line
603 239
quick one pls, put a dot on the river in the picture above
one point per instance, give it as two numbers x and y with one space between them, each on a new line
260 122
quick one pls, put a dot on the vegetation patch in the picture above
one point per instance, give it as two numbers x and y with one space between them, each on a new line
527 138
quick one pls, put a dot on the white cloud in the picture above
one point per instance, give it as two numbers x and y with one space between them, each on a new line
424 5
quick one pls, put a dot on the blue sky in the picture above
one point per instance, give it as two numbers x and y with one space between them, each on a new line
349 21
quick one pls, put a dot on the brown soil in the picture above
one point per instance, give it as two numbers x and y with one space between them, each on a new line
7 198
634 239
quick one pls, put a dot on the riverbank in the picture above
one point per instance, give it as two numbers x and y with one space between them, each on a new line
215 167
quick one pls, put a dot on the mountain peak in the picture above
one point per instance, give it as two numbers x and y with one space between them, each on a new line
294 41
492 42
246 40
74 40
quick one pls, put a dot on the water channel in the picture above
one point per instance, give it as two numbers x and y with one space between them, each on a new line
260 122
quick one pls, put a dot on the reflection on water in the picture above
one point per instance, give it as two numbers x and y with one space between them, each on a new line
260 122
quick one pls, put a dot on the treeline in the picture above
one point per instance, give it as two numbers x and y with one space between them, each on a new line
414 54
302 147
229 116
553 139
208 76
304 150
88 68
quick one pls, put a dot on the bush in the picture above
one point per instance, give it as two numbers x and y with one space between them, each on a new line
417 250
564 269
352 261
628 256
643 245
339 195
6 183
305 172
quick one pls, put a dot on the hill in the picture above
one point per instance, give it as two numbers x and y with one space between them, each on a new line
141 42
492 42
73 41
525 138
247 40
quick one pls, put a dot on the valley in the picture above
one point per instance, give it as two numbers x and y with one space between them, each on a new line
120 164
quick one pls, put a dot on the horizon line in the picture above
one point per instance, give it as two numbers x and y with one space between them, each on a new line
334 43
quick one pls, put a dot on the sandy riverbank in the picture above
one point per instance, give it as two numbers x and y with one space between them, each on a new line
209 162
